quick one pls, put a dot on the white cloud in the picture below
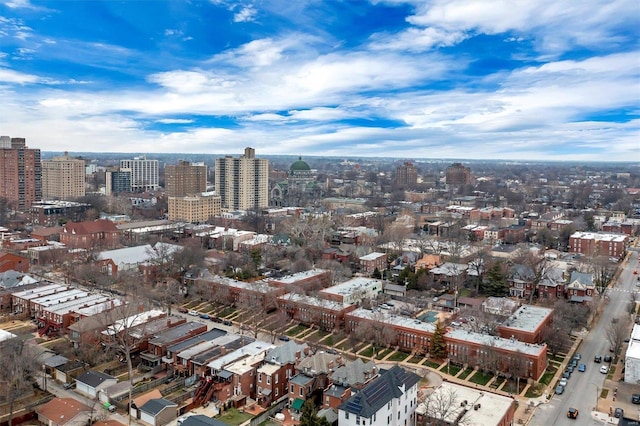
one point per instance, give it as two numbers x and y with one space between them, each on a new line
10 76
174 121
246 14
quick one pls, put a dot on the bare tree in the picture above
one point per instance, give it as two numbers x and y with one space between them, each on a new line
602 272
17 372
443 407
617 332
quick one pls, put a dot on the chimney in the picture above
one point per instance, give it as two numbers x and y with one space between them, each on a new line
298 354
306 350
331 365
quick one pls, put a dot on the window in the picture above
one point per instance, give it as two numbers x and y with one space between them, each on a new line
301 394
276 379
260 377
291 390
346 415
277 391
268 380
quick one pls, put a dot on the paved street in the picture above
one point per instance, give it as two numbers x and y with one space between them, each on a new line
583 389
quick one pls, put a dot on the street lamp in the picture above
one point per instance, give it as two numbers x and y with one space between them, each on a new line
597 394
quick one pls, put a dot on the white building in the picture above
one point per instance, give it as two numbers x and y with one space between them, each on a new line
632 358
353 290
144 173
390 399
451 404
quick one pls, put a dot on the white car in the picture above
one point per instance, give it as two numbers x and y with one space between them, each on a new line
194 313
563 382
604 369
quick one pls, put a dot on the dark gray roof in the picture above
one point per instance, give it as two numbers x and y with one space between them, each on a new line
172 334
94 378
300 379
202 420
69 366
212 334
155 406
582 278
214 353
379 392
55 361
330 414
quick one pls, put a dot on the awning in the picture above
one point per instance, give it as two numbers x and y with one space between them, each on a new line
297 404
266 391
225 374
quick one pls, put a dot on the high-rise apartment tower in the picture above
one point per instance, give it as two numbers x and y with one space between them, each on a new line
144 173
185 178
242 182
20 173
63 178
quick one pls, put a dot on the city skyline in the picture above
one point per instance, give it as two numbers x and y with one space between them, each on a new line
487 80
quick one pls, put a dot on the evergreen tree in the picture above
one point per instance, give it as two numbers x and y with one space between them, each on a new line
376 274
438 345
308 415
495 282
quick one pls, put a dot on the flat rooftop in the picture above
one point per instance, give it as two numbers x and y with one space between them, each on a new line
492 407
294 278
353 285
527 318
510 345
397 320
314 301
209 335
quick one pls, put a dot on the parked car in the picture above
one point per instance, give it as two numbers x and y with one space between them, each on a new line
204 316
572 413
597 358
566 375
582 368
284 338
227 322
69 385
570 368
183 310
193 313
577 357
216 319
618 413
563 382
635 398
559 389
604 369
608 358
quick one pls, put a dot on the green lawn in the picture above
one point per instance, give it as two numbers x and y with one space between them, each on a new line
548 375
451 370
415 359
234 417
465 373
535 390
318 335
398 356
481 378
328 340
511 386
383 353
497 382
367 352
297 330
431 364
612 370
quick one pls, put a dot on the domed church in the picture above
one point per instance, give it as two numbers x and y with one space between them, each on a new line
298 188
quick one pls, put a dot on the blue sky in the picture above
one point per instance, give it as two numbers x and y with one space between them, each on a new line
469 79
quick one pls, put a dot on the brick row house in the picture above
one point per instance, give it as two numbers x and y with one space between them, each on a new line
556 284
97 234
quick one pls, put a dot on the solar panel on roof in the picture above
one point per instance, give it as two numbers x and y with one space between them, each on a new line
354 406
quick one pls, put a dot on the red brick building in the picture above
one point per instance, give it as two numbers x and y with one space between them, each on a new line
10 261
306 281
527 324
463 347
273 376
99 234
590 243
373 261
326 314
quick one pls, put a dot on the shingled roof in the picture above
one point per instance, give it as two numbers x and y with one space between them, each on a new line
379 392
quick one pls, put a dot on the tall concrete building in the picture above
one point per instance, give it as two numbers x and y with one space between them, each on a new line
20 173
406 175
117 181
63 178
242 182
457 174
144 173
185 178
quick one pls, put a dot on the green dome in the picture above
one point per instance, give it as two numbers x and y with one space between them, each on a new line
299 165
